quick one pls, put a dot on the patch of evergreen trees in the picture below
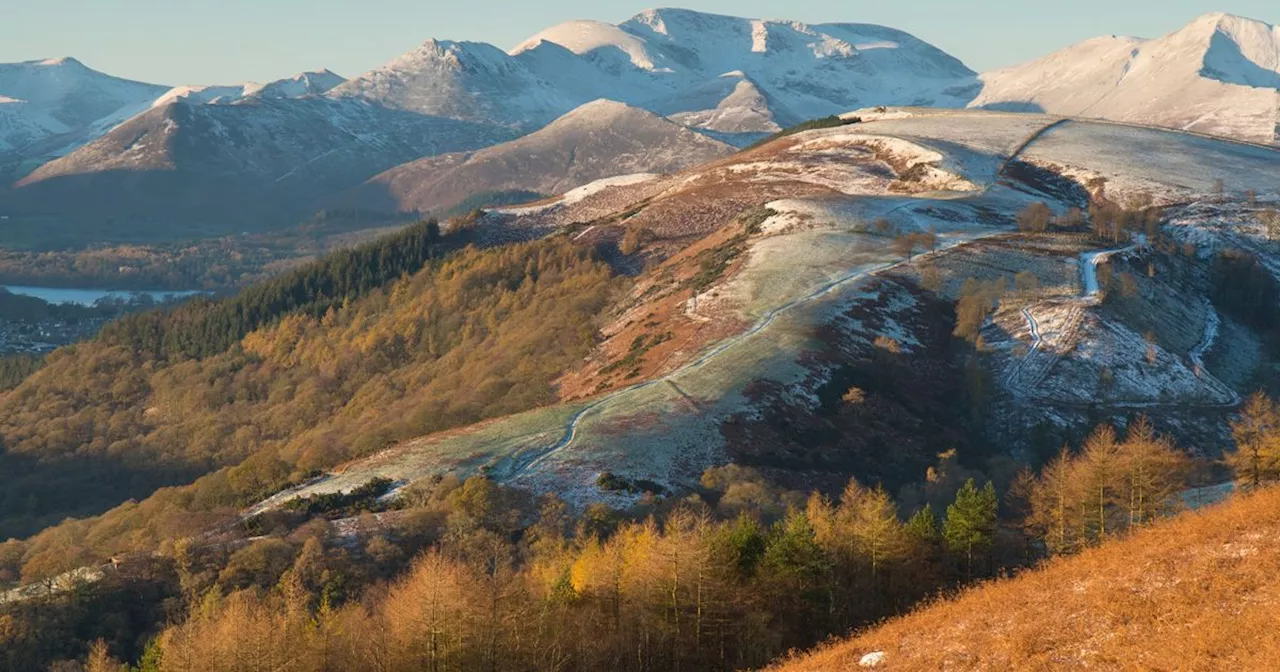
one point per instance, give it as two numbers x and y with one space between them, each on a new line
205 327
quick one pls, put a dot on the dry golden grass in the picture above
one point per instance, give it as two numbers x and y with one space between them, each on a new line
1198 592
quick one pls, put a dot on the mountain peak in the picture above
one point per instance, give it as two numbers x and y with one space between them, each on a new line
663 20
591 37
601 111
1234 49
1206 26
1226 19
1218 74
66 61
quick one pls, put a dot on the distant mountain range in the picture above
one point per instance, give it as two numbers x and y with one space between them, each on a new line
75 142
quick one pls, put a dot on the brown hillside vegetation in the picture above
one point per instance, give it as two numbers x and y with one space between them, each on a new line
1198 592
449 346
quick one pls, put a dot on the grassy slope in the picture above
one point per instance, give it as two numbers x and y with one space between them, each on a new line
1196 592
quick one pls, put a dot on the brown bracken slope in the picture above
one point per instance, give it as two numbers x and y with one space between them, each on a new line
1199 592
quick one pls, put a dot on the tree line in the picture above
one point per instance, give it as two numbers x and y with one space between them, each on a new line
203 327
473 575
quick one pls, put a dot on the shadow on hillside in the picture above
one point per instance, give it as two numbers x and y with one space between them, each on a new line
1239 70
35 494
1020 106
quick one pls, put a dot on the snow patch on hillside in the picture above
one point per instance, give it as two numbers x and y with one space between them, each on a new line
578 195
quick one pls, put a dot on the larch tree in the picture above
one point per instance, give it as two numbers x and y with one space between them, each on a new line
1100 474
1154 471
1057 505
100 659
1256 431
871 519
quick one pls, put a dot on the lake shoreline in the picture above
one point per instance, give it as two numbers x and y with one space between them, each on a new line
87 297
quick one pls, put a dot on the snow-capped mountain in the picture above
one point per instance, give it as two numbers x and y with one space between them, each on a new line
724 77
731 79
732 74
1220 74
52 106
720 73
304 84
462 80
600 139
258 161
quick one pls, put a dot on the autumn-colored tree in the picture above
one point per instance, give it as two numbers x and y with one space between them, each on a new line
905 245
1101 477
977 300
1256 431
1035 218
1154 472
1073 218
1057 505
100 659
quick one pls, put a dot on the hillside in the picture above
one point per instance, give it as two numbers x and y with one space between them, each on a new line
1196 592
910 297
396 315
777 280
1219 74
597 140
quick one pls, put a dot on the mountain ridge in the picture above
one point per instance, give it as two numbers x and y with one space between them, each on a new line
1218 74
734 79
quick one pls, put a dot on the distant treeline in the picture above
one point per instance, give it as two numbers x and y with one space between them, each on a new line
813 124
29 308
204 327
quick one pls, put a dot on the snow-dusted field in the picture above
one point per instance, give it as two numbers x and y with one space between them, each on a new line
1170 167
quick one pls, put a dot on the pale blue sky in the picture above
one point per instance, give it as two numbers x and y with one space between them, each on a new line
225 41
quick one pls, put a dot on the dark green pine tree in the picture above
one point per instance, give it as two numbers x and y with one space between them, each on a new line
924 524
971 522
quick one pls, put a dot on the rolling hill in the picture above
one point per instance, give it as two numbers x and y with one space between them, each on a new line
772 283
595 141
237 166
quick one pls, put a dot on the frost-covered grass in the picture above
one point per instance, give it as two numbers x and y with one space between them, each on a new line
1170 167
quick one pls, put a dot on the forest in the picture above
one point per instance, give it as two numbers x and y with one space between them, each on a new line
467 575
343 369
